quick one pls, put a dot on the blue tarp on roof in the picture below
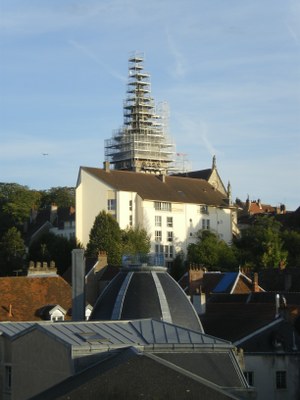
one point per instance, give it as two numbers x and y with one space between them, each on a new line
227 281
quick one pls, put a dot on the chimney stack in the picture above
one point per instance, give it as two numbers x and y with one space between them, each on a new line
106 166
78 283
255 283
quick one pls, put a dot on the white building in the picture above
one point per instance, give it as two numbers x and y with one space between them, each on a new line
172 209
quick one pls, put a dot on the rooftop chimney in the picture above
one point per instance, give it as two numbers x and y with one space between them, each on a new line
255 283
78 281
106 166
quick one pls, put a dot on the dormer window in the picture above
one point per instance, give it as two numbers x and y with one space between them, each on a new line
52 312
203 209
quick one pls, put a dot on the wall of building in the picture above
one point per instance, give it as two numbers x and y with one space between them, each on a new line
90 200
38 362
264 367
188 219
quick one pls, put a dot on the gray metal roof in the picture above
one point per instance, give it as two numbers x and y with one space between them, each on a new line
114 333
143 293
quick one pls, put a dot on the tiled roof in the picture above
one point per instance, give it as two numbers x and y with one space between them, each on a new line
151 187
21 298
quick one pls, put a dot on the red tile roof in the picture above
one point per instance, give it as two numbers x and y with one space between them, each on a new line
22 297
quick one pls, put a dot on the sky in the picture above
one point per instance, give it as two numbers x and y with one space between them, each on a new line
228 70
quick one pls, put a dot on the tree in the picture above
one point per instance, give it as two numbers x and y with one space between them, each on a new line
135 241
211 252
105 235
12 250
55 248
16 201
61 196
178 267
261 245
291 243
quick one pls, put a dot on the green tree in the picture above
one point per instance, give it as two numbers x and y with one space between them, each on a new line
105 235
178 267
260 245
55 248
291 243
12 251
61 196
135 241
16 201
211 252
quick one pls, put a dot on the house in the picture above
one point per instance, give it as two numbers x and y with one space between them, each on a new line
172 209
116 358
262 325
41 295
141 325
200 284
58 220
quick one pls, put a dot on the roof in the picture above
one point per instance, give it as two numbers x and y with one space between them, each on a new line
148 292
201 174
233 321
133 375
275 279
226 283
277 336
117 334
196 280
235 316
234 283
22 297
151 187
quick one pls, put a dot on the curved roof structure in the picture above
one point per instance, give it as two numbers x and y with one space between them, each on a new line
139 292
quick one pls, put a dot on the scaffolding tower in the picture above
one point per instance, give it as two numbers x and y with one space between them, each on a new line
142 144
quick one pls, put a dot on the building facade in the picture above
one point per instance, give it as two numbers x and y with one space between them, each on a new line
171 209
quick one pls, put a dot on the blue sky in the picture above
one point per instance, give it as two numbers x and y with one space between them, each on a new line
229 71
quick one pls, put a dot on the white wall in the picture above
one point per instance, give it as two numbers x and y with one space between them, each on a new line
91 198
265 367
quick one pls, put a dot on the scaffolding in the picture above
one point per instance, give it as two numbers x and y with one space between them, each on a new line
143 143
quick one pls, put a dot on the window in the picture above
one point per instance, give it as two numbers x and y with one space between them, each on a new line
249 375
158 236
159 249
57 318
169 222
130 220
281 380
8 377
205 224
166 251
130 205
111 204
203 209
170 236
163 206
157 220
